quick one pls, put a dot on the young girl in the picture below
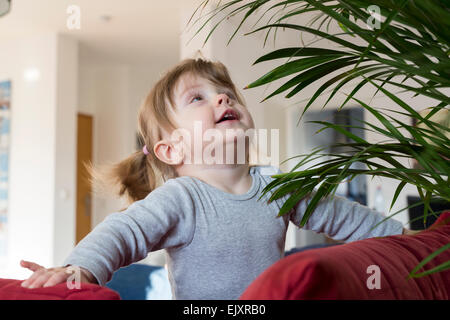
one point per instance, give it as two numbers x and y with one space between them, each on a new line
217 235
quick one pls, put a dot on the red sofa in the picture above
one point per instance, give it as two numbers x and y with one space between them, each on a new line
341 272
12 290
337 272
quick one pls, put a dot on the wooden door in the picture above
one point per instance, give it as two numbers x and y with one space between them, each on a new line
84 188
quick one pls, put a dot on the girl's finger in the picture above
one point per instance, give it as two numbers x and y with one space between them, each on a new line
39 281
30 265
56 278
33 277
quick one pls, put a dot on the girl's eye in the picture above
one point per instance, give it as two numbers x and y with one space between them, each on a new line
196 98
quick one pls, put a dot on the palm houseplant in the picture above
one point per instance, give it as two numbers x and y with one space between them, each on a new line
405 49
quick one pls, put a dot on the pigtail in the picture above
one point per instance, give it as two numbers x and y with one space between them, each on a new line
132 178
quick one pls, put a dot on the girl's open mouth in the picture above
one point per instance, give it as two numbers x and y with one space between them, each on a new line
228 116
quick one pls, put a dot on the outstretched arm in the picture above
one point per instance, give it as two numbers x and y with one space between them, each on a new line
345 220
163 219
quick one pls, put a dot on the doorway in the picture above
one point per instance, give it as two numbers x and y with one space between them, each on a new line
84 187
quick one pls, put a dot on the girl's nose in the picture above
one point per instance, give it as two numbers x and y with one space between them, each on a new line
222 99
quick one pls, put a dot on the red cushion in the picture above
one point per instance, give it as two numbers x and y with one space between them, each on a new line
340 272
11 290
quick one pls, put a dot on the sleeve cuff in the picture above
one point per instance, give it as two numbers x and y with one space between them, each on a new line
100 276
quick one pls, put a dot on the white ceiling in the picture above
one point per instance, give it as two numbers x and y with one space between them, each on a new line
139 31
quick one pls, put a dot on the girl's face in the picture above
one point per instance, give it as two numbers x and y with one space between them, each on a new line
197 99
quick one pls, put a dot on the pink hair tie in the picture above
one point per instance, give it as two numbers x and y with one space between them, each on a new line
145 151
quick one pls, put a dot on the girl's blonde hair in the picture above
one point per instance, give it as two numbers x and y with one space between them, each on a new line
139 174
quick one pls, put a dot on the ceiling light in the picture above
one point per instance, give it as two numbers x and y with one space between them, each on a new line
32 74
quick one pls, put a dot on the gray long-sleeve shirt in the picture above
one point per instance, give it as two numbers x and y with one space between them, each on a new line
217 243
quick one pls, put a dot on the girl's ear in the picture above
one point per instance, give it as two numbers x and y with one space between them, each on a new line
168 153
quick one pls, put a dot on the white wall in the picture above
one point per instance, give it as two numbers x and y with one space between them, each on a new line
42 149
104 95
65 148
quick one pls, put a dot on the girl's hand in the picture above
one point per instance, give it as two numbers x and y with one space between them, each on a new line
43 277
